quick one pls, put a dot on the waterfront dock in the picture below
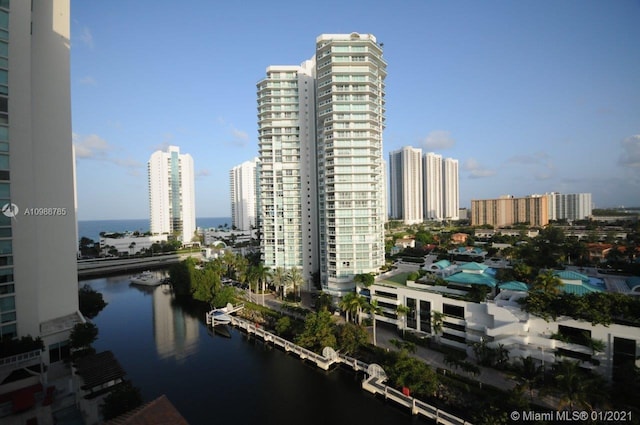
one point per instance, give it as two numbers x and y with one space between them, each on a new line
375 376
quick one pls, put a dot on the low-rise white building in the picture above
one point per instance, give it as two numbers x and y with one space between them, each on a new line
502 322
130 244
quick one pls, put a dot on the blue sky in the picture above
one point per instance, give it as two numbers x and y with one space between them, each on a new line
529 96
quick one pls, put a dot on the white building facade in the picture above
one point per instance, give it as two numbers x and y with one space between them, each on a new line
502 322
406 185
441 187
287 172
432 165
575 206
321 179
350 75
450 189
172 194
244 201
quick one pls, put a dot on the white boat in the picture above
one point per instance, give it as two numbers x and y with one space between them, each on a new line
147 279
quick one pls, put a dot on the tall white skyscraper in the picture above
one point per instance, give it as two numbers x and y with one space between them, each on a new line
244 201
406 185
432 186
172 208
575 206
450 189
441 188
322 188
350 73
287 171
38 244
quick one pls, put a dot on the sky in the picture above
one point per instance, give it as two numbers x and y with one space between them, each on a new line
531 96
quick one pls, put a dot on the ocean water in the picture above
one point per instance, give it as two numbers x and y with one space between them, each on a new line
92 228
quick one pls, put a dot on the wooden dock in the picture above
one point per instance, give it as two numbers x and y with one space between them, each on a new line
373 383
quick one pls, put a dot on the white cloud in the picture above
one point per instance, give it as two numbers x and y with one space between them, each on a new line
476 170
86 37
91 146
438 139
88 81
96 148
202 173
239 137
631 152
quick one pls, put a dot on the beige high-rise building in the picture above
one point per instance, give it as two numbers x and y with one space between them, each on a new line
508 210
38 236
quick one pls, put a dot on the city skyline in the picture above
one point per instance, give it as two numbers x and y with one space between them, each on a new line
531 97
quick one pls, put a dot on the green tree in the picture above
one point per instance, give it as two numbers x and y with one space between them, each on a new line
350 305
90 302
437 321
81 337
365 279
548 283
283 325
323 302
318 332
350 337
529 374
295 279
279 280
122 399
414 374
402 311
572 385
373 308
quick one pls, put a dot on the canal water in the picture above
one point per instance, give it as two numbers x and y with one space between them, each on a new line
166 349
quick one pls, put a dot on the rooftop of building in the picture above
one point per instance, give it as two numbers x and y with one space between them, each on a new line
157 412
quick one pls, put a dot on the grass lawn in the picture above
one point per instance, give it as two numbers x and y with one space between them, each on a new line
400 278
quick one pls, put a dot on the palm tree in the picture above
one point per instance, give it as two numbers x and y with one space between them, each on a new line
529 374
263 274
548 283
349 304
402 311
296 279
572 385
279 279
373 308
437 319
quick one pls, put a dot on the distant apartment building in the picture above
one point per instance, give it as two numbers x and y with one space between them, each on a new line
244 202
576 206
38 244
171 194
129 244
405 182
321 178
450 189
508 210
441 187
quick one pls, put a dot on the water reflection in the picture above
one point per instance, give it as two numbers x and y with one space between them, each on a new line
176 333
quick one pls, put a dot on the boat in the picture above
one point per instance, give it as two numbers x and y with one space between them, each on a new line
147 279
